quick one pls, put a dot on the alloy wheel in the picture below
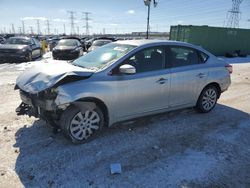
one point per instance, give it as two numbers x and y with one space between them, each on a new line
83 125
209 99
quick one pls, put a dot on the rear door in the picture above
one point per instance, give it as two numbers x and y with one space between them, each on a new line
188 75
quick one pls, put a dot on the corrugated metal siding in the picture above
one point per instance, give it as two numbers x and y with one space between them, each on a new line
214 39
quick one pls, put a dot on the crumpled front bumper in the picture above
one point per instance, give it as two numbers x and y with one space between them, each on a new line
31 105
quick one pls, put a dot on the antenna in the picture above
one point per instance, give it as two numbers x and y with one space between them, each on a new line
233 15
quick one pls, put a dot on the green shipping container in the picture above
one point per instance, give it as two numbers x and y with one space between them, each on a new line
216 40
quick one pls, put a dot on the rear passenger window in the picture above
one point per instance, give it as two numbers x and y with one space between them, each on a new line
181 56
203 57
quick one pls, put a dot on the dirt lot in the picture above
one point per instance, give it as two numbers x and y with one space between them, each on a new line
177 149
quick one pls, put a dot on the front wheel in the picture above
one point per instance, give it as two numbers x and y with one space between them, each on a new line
207 99
81 126
29 57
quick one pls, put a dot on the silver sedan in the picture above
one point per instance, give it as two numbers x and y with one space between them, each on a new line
121 81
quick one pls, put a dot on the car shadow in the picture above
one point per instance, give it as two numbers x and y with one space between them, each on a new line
46 159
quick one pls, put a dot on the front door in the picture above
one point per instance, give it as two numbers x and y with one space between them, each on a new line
148 89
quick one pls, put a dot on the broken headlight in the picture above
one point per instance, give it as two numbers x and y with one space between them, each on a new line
50 93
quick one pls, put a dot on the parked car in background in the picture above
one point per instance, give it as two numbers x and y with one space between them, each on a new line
2 40
52 42
67 49
120 81
20 49
98 43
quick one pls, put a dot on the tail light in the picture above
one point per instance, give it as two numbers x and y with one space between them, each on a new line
229 68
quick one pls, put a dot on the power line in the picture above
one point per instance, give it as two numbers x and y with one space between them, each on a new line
72 22
234 14
87 19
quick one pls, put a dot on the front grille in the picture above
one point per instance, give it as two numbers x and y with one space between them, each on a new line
7 51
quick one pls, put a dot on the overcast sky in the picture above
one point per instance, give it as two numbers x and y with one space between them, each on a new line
116 16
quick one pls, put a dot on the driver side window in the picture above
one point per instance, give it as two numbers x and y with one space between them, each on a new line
150 59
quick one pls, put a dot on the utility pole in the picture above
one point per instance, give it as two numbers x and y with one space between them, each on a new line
148 4
38 26
72 22
233 15
86 18
48 27
23 27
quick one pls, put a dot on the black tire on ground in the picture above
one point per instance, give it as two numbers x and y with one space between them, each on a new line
40 53
29 56
84 126
207 99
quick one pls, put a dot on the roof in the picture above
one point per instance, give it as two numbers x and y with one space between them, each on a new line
148 41
160 42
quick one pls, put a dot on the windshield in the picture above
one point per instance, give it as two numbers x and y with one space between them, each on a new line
18 41
67 43
103 55
101 42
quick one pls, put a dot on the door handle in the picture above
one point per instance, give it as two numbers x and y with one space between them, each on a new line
162 80
201 75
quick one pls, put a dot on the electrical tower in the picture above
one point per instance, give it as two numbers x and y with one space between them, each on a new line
72 22
233 15
64 29
23 27
38 27
13 28
87 19
48 27
31 30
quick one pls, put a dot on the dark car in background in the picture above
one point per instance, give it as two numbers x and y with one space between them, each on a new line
67 49
2 40
18 49
98 43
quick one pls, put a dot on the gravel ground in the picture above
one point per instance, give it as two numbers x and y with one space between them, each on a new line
176 149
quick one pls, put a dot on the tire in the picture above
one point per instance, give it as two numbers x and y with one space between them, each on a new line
81 127
207 99
40 53
29 57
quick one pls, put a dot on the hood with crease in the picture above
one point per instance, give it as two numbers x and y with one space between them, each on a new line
45 75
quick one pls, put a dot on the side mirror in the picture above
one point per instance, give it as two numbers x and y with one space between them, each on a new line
127 69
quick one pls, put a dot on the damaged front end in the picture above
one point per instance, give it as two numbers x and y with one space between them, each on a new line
41 105
38 89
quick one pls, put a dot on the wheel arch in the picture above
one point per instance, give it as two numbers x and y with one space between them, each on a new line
215 84
99 103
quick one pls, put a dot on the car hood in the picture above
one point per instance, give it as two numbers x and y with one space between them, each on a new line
13 46
46 74
65 47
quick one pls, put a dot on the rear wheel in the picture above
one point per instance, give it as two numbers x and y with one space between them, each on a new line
208 99
81 126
